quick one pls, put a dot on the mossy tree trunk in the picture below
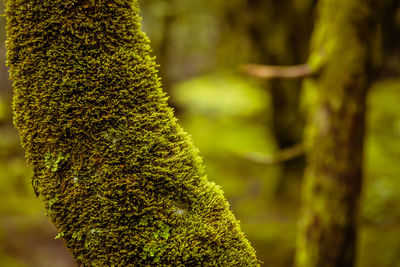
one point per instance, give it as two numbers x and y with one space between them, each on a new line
119 177
332 183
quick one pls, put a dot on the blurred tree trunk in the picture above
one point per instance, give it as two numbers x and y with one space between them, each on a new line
389 54
340 56
279 33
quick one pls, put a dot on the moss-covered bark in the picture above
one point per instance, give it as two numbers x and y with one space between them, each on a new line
119 177
340 48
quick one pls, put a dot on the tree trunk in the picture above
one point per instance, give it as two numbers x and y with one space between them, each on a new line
118 176
332 183
279 33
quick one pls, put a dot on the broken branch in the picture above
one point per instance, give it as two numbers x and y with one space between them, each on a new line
272 72
279 157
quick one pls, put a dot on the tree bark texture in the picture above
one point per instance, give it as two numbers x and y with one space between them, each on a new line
340 55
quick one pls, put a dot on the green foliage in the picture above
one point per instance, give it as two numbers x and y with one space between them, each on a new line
382 187
228 119
110 161
221 95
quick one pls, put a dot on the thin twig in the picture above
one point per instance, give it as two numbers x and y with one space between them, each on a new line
279 157
272 72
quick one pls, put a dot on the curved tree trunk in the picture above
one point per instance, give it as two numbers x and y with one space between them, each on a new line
340 56
118 176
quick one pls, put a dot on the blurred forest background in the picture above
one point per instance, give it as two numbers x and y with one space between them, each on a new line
249 129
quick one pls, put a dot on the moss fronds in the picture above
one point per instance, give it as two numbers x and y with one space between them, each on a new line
119 177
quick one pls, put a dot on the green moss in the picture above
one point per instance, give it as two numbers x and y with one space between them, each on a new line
53 163
118 176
